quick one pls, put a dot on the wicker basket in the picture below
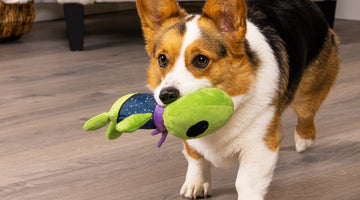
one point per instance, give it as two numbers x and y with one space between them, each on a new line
15 20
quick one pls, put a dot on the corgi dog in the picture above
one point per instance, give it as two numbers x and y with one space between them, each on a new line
267 55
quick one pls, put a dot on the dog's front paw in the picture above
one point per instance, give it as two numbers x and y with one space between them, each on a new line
195 189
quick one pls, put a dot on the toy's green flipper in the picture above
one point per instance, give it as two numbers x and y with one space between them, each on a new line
112 133
127 125
133 122
97 122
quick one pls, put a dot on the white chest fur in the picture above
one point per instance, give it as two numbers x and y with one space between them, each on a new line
253 111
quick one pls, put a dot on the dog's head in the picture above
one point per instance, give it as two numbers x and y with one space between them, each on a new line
189 52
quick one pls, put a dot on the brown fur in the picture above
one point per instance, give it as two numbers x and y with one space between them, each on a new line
167 42
154 14
230 16
231 73
191 152
157 16
272 138
229 69
313 89
315 85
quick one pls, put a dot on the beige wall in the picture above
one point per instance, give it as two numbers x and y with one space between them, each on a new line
348 9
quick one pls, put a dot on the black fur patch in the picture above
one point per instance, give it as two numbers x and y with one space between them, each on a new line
223 52
177 14
297 25
333 42
181 27
254 59
190 18
216 45
154 50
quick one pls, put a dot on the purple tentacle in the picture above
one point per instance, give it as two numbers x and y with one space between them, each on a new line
163 137
159 122
155 132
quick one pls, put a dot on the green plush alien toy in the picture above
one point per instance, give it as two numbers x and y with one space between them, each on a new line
192 116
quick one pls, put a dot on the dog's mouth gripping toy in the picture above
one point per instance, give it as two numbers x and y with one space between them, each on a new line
192 116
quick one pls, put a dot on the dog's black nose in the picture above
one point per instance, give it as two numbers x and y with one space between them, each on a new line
169 95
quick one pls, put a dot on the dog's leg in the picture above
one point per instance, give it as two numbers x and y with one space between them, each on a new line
255 173
198 177
313 89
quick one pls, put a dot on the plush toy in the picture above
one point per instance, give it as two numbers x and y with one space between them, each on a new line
192 116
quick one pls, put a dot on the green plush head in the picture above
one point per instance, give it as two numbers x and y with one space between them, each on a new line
198 114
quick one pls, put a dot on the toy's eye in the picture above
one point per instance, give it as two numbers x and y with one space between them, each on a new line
197 129
163 61
200 61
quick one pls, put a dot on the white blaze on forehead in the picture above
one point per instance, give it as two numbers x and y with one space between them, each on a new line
192 34
180 77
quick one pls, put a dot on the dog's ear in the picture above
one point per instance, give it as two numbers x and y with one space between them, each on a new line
153 13
230 17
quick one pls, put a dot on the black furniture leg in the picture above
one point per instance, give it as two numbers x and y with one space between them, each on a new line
74 16
328 8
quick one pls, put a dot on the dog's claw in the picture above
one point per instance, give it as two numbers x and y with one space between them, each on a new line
195 191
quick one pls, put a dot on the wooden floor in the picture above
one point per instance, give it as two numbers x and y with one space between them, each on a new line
48 92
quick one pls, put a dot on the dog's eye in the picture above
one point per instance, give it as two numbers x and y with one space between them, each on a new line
200 61
163 61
